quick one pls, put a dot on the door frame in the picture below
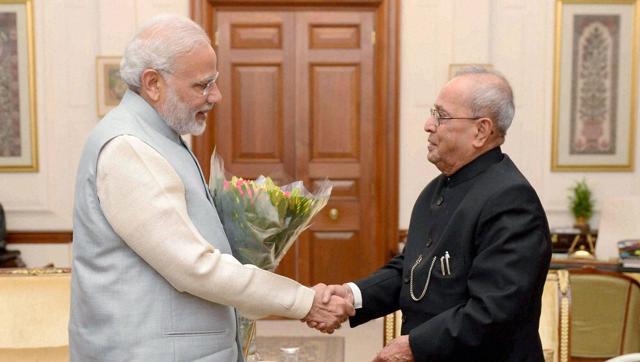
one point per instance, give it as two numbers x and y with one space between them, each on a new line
387 92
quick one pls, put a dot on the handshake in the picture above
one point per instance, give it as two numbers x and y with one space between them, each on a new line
332 305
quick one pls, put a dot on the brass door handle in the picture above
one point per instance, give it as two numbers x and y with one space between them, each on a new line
334 214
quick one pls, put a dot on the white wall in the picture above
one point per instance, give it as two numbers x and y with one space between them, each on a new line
516 36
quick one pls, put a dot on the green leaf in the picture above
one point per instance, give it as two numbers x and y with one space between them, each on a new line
581 200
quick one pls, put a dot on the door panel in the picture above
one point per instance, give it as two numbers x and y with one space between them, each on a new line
338 215
257 118
256 36
335 129
347 262
333 36
342 189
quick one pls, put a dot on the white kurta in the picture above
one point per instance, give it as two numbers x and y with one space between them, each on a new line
144 201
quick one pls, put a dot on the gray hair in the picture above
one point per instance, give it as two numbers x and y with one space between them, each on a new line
492 98
156 46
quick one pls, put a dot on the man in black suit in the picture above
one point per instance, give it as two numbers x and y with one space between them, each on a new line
469 281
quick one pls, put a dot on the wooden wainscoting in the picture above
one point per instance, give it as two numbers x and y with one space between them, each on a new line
39 237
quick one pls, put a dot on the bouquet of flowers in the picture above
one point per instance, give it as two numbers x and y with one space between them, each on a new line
261 219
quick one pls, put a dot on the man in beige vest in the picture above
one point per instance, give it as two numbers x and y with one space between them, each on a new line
153 274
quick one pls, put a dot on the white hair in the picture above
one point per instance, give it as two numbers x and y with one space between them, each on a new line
156 46
492 98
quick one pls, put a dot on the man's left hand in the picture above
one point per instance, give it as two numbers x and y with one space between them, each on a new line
397 351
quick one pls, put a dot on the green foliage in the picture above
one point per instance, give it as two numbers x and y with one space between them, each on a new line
581 201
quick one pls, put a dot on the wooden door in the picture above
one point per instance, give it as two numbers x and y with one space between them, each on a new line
298 104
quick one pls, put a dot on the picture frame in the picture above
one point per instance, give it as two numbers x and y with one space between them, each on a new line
18 133
595 85
455 67
109 86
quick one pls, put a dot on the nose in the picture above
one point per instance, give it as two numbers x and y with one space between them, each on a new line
214 96
430 124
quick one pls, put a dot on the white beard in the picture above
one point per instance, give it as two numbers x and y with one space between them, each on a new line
179 116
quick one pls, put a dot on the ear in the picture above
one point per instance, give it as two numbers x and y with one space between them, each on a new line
151 83
484 131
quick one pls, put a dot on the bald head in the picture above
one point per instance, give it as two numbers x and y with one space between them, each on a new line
157 45
488 95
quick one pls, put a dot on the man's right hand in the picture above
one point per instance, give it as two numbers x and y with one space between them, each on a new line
342 291
328 310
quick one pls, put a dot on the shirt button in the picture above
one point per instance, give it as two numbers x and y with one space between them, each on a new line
429 242
440 200
406 280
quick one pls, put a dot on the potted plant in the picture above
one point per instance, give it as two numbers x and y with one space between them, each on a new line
581 204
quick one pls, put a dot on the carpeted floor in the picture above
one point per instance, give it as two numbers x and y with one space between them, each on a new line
310 349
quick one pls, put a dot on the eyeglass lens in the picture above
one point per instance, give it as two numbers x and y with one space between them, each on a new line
212 82
436 116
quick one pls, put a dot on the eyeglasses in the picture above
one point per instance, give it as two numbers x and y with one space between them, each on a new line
206 88
437 118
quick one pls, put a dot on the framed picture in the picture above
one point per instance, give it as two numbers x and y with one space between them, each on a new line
594 104
110 88
18 139
455 67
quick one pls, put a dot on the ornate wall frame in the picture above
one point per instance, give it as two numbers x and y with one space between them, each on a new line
595 90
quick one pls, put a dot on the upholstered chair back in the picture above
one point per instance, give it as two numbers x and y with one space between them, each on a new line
34 314
604 314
